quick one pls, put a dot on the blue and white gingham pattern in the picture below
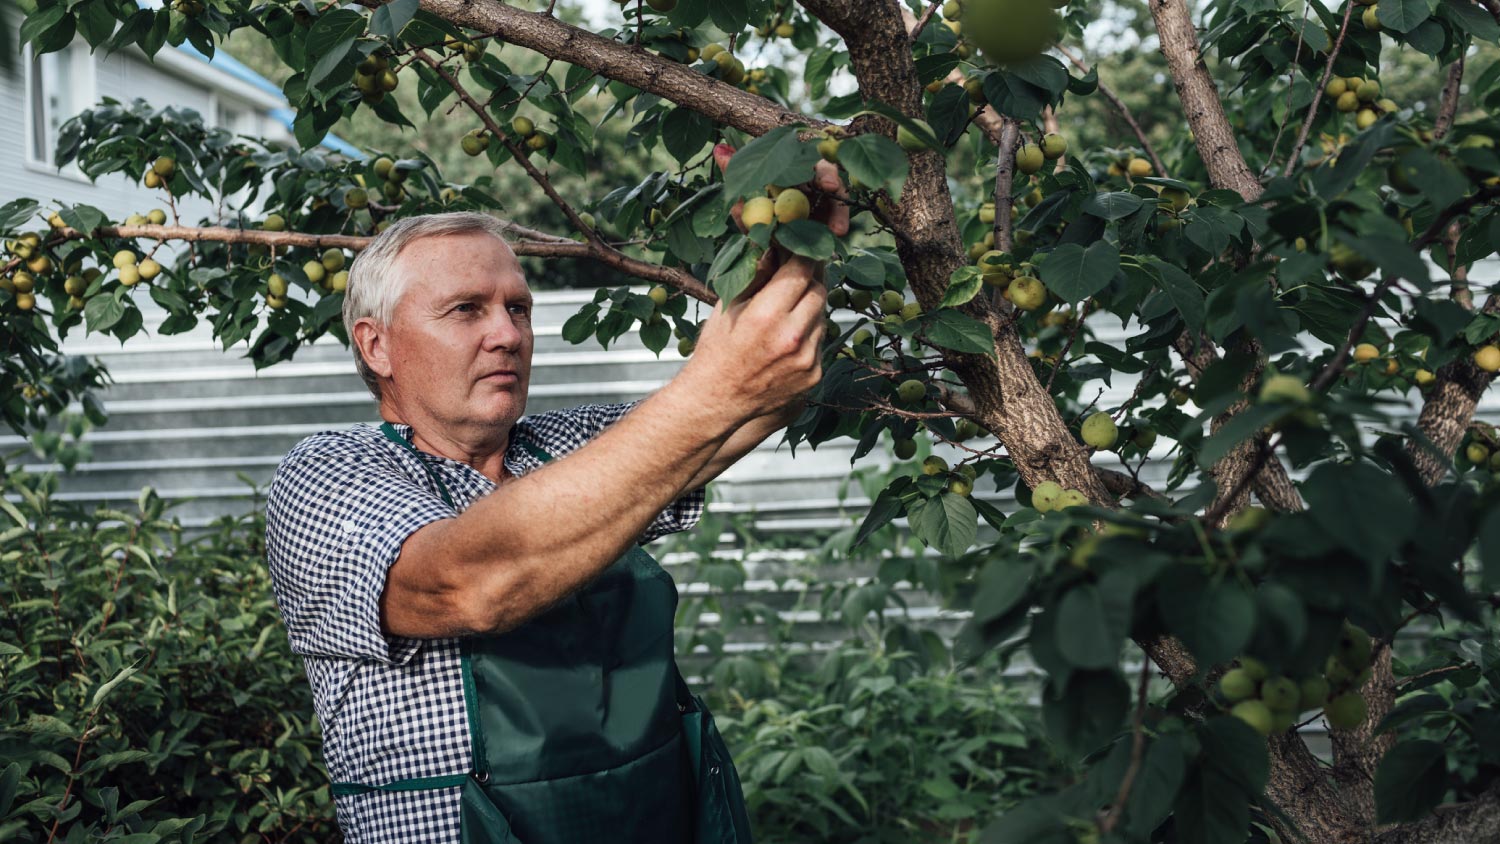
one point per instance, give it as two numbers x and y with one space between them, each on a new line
340 507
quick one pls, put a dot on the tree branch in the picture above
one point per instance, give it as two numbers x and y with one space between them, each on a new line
1449 106
670 80
1474 822
1312 109
1200 100
1124 111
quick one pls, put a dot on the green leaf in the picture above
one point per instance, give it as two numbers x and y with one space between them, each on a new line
10 780
963 285
1381 521
103 691
1239 428
1083 637
775 158
1086 712
947 522
1211 809
684 132
1238 751
1163 769
922 133
1404 15
958 331
1410 780
1002 585
1489 548
875 162
16 212
808 238
886 506
1214 619
41 21
734 267
1113 205
1470 18
655 335
1075 273
84 218
388 20
331 39
103 311
1185 294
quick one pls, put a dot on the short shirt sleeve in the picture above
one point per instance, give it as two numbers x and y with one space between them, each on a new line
337 514
561 432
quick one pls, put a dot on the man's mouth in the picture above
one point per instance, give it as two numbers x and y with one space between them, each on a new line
502 376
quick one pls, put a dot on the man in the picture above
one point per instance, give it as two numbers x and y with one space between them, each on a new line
490 650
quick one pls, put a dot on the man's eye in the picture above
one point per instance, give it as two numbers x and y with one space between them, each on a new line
520 310
462 305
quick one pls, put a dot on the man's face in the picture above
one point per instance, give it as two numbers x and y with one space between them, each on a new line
460 341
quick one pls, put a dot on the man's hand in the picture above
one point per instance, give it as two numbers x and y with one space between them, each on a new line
759 353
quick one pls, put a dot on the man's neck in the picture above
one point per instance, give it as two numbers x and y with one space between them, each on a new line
484 450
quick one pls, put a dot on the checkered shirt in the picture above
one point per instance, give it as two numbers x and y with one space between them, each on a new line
340 507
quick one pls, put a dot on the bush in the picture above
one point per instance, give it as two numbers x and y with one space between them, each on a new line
147 690
874 746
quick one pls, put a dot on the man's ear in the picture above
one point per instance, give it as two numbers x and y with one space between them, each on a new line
373 348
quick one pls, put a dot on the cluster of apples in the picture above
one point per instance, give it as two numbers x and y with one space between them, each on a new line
1272 704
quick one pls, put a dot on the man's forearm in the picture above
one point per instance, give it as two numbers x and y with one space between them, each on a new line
743 441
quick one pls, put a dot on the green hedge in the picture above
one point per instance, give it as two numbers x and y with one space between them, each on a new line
147 693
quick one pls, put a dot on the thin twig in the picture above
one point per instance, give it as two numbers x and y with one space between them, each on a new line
1137 753
1291 88
1312 110
926 16
1119 105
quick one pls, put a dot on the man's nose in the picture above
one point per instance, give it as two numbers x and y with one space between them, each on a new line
504 332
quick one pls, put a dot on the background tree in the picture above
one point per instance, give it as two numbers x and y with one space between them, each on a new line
1274 256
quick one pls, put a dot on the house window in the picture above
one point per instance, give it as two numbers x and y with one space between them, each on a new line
58 86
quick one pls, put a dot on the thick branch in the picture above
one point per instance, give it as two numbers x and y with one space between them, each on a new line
1474 822
1449 107
1200 100
680 83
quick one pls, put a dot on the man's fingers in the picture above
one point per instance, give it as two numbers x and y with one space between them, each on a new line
789 284
833 212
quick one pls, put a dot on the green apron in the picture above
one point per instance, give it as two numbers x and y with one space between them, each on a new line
582 728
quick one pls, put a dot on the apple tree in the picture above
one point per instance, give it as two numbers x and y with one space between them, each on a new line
1294 259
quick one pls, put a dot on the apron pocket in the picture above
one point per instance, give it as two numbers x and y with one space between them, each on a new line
481 821
722 817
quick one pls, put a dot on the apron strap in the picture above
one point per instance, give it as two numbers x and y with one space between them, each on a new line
390 433
349 789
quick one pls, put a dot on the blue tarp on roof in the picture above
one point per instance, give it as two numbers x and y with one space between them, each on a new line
239 70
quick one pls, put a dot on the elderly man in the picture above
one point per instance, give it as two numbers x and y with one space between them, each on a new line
489 647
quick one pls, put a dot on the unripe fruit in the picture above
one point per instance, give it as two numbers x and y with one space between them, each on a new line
124 258
911 391
74 285
23 282
1392 366
314 271
1099 431
1071 498
40 265
783 30
1248 519
387 80
74 303
333 260
1236 685
1371 19
164 167
974 87
1336 87
1139 168
473 144
861 337
1487 358
685 346
1365 118
1144 437
149 269
891 302
276 285
1255 713
905 449
1044 497
961 486
1026 293
859 300
1179 199
1346 711
1387 105
356 198
910 311
711 51
130 275
1423 377
1477 453
275 222
339 282
1354 647
383 167
987 213
538 141
934 465
1368 91
276 303
1054 146
1347 102
1030 158
1009 31
156 217
758 211
952 9
658 295
791 205
1312 693
523 126
1254 667
25 301
151 180
828 148
1366 352
1280 693
1284 388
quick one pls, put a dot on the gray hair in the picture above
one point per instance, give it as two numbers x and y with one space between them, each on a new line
374 288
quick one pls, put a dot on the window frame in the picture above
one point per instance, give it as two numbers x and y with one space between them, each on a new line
85 91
